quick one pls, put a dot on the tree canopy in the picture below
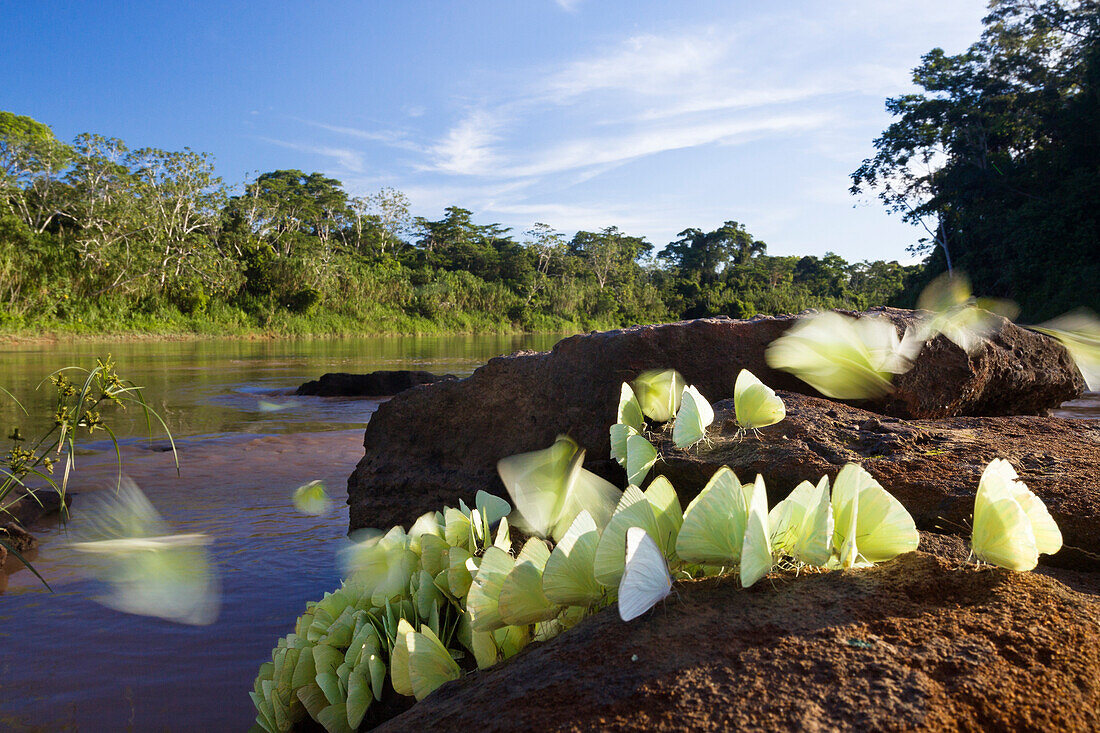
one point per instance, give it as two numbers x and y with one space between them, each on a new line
999 157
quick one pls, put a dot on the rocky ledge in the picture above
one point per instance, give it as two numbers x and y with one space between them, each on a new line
924 642
919 643
435 444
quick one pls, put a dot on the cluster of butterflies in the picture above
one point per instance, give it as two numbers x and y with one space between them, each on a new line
857 358
662 395
417 603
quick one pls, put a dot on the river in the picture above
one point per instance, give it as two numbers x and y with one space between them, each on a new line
68 663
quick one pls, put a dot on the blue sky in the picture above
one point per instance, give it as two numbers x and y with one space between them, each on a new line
652 116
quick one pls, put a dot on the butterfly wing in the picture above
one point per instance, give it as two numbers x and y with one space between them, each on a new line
430 664
568 579
634 510
756 550
813 538
620 433
658 392
692 419
522 600
537 483
755 404
714 522
645 579
629 411
666 508
640 457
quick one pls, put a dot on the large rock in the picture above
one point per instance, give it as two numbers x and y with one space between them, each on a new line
431 445
932 466
916 644
375 384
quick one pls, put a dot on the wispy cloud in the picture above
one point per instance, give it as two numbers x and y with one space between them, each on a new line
346 158
391 138
467 148
569 6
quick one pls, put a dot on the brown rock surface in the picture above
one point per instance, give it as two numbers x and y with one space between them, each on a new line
919 643
932 466
431 445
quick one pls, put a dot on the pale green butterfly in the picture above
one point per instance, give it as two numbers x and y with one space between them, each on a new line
634 510
869 523
312 499
658 392
483 598
714 522
666 509
568 578
522 599
843 357
957 314
645 579
399 660
147 570
628 421
692 419
430 664
1079 332
640 458
755 404
1011 525
550 487
383 566
802 524
756 550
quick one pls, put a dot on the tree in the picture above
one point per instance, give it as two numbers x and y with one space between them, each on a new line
706 254
32 162
282 204
548 247
997 159
609 254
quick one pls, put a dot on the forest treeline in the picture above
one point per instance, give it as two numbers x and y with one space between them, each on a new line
998 159
95 235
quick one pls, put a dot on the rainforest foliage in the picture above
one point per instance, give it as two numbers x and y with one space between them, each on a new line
999 157
97 236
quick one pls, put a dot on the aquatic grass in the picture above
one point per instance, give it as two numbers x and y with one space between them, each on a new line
81 396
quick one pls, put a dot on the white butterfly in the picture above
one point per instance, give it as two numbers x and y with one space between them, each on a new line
645 577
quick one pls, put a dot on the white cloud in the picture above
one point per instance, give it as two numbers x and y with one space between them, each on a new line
467 147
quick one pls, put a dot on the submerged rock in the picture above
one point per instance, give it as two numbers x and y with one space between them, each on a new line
375 384
916 644
431 446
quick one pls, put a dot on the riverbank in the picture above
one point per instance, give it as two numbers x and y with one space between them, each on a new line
292 328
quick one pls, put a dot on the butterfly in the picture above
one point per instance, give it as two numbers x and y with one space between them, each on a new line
692 419
147 571
645 578
845 358
756 549
755 404
1011 524
311 499
659 392
550 487
802 524
870 525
